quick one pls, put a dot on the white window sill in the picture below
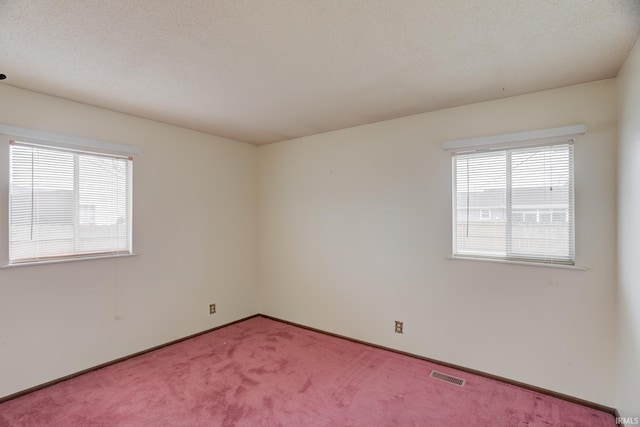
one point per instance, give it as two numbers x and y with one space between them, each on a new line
61 260
530 264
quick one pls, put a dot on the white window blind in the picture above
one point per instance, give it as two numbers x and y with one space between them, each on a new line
66 203
515 204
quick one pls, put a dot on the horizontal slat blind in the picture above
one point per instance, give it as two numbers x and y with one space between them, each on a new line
515 204
65 203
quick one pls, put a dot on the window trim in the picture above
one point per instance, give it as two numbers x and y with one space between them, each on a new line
58 260
66 141
512 140
514 262
78 145
477 145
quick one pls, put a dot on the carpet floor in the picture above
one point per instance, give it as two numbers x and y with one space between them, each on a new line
261 372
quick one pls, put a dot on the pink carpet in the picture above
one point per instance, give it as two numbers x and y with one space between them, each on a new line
260 372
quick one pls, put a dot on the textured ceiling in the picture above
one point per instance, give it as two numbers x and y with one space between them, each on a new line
267 70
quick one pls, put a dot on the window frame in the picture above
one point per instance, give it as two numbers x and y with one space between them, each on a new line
61 142
569 262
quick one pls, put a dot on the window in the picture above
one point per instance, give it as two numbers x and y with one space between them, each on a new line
66 203
533 186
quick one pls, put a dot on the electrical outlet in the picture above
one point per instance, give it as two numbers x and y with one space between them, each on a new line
212 308
398 327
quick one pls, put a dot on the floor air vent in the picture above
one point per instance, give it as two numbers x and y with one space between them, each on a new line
448 378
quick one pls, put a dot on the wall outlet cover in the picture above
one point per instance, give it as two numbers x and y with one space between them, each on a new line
399 327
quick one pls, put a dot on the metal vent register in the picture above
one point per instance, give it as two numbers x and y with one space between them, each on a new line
448 378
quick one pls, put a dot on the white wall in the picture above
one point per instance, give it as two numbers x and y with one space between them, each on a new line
194 227
355 228
629 238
